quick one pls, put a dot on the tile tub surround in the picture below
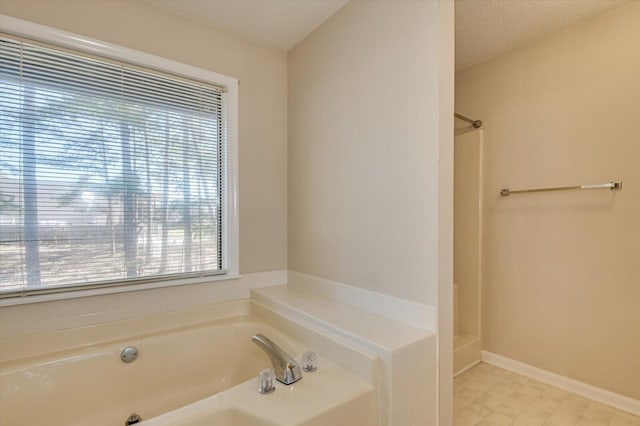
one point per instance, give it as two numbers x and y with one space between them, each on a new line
24 316
407 355
416 314
488 395
13 348
398 360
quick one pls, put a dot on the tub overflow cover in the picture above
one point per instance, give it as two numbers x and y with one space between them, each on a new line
129 354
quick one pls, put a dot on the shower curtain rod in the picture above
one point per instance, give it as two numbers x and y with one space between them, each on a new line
475 123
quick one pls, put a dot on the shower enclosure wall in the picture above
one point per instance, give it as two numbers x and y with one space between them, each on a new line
467 269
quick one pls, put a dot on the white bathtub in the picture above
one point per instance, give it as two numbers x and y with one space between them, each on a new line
208 368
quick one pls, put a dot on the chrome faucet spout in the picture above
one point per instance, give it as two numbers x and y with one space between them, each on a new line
286 368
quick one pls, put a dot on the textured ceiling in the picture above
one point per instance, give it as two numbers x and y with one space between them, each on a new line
488 28
484 28
276 23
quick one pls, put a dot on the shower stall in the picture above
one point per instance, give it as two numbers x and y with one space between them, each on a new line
467 242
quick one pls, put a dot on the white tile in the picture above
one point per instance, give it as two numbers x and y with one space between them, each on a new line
44 311
418 407
421 380
415 314
98 318
432 402
432 375
400 415
419 354
401 361
432 348
16 314
43 326
65 323
13 329
401 388
384 394
384 416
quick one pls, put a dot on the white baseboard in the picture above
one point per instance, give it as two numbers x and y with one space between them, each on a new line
468 367
411 313
466 353
604 396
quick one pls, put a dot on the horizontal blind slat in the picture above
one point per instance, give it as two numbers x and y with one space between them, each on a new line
119 154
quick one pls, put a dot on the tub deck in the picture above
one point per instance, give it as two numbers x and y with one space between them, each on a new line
212 364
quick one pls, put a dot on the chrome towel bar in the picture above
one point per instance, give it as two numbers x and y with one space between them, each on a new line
611 185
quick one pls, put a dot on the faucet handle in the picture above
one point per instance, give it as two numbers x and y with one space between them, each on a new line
309 361
266 381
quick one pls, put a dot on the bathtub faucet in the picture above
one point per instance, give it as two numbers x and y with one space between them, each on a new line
286 368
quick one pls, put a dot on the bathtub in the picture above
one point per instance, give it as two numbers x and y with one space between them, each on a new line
202 373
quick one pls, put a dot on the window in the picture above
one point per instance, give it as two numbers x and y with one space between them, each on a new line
110 173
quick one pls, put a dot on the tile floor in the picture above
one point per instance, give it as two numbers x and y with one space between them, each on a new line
487 395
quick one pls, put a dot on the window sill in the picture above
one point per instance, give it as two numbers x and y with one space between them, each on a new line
74 294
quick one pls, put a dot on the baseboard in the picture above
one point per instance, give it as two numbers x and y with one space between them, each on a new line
466 353
604 396
411 313
468 367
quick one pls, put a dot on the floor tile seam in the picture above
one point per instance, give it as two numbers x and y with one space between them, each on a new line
558 396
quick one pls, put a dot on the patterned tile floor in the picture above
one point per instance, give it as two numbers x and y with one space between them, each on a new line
487 395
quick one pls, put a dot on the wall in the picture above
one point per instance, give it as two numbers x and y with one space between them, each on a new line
561 280
363 149
371 158
262 73
446 64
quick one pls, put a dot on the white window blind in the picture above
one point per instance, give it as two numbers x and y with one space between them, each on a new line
109 174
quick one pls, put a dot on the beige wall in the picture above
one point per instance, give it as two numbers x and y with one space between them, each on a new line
562 281
262 117
262 153
446 65
363 149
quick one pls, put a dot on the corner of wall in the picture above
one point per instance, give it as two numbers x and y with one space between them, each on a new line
445 214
